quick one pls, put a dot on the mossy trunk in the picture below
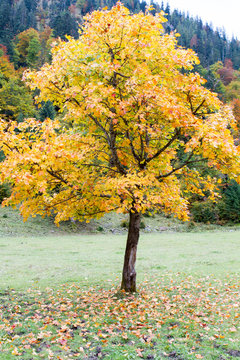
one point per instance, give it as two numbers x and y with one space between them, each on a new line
129 272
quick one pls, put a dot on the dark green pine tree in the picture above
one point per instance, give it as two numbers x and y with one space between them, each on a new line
64 24
231 200
47 111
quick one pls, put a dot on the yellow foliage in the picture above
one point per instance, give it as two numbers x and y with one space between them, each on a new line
131 111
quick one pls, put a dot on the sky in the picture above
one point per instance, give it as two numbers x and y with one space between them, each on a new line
220 13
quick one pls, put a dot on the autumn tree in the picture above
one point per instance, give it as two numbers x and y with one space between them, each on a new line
227 72
6 68
27 48
138 125
232 91
15 99
236 111
32 48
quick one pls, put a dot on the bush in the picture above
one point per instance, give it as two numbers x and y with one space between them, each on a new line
206 211
226 209
142 225
100 229
5 191
125 224
230 206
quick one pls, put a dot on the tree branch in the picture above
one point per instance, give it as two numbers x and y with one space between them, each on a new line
113 149
101 166
57 176
187 162
98 212
175 136
199 107
101 127
61 202
132 147
10 148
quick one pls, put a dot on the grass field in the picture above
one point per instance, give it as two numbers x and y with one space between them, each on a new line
95 259
59 298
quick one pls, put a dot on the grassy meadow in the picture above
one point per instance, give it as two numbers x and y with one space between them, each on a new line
59 296
97 259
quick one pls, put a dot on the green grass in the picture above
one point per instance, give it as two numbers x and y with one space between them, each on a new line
95 259
59 299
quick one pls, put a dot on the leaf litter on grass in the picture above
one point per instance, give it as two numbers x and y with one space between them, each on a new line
173 317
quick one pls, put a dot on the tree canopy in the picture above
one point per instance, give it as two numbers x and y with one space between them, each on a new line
138 125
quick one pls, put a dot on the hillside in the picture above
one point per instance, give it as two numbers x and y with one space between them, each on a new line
64 16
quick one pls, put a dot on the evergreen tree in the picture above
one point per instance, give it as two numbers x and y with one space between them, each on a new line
64 24
33 52
47 111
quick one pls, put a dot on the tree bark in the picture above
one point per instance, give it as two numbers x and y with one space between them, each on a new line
129 272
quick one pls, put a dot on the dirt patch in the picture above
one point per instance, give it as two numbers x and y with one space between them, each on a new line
234 353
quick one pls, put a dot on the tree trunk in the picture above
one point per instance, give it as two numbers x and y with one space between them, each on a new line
129 273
